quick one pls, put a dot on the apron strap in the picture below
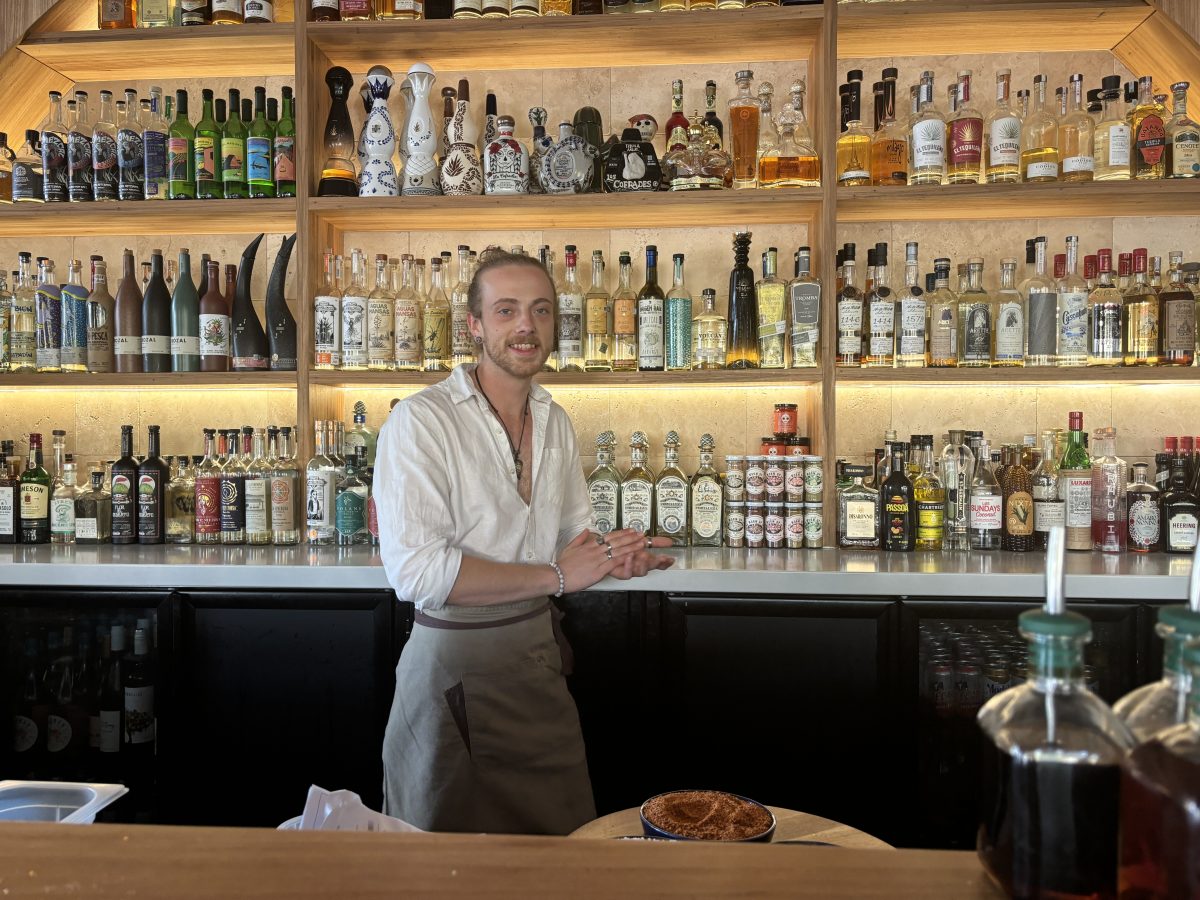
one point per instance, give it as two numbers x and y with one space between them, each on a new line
556 617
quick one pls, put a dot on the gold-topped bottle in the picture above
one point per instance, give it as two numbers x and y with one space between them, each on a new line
637 488
1141 315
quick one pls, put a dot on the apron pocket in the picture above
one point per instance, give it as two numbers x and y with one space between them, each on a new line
456 700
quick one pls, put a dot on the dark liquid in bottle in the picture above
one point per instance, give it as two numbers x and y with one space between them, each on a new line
1160 840
1048 829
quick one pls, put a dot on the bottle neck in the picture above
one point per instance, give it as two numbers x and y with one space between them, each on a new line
1055 663
625 276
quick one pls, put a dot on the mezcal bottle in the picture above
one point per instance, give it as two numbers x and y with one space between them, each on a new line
604 484
706 499
462 345
671 496
181 504
258 493
93 512
320 485
570 318
436 322
598 320
624 316
677 327
407 332
381 311
637 488
285 494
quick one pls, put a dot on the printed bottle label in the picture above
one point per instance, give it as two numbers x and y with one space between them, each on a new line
985 512
1118 145
603 496
62 516
978 337
1151 141
185 345
8 511
285 158
208 505
860 519
205 153
570 325
650 334
319 499
1043 324
130 161
110 731
354 324
1010 332
850 316
282 510
1185 154
84 529
1181 531
706 508
672 495
966 145
409 348
156 344
931 517
1041 170
912 326
25 734
1019 520
258 519
54 167
1076 492
1078 164
1144 523
233 503
1072 335
1004 140
178 152
635 505
58 733
1179 325
882 317
929 145
258 154
139 715
214 335
233 160
35 501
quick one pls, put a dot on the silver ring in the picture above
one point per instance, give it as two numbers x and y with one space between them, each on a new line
599 538
649 543
608 550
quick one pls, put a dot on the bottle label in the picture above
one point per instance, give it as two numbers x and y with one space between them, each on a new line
258 518
966 142
123 509
409 347
931 518
58 733
850 315
468 6
54 167
208 505
1018 521
977 344
943 341
185 345
230 6
1105 323
79 163
74 324
327 331
1179 325
1118 145
8 511
1048 510
214 335
155 11
35 501
1185 153
929 144
1004 139
986 512
325 4
603 495
597 315
1072 335
148 505
570 325
1144 529
1043 324
156 344
1151 141
806 313
285 158
62 516
178 153
624 316
282 509
1010 331
110 731
26 183
1041 170
205 153
131 163
1075 490
351 514
436 336
233 160
635 505
898 513
650 333
86 529
860 519
912 326
154 147
112 10
671 494
706 508
380 343
1078 164
258 155
882 315
319 498
1181 531
233 502
139 714
354 314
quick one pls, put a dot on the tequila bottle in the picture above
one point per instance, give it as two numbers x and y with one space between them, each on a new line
743 313
637 488
854 145
1148 128
943 318
1111 139
974 320
436 321
1041 298
804 309
1073 311
5 323
706 498
462 344
849 314
928 138
258 493
1141 316
1178 330
1002 148
744 115
570 317
880 337
1008 327
771 299
598 320
351 503
677 327
155 131
62 501
911 316
327 320
708 334
408 329
381 311
650 317
793 162
355 322
285 494
181 504
1039 138
1104 316
1076 132
624 316
604 484
362 435
320 486
93 511
889 144
964 162
1183 134
671 496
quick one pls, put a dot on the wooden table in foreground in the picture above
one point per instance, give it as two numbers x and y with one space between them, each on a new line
790 825
103 861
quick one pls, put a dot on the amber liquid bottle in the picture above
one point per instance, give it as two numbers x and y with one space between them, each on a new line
1018 505
742 352
116 14
127 334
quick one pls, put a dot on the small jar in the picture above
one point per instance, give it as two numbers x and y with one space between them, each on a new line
785 418
798 446
776 479
756 479
735 479
772 446
756 524
793 479
735 524
774 525
793 525
814 479
814 525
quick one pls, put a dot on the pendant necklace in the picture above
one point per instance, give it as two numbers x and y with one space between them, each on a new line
518 463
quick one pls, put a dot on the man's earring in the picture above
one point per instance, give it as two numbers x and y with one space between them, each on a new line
479 341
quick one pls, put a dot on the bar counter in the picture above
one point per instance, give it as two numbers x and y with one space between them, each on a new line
829 572
102 861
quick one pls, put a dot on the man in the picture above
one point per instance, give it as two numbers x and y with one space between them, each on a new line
483 513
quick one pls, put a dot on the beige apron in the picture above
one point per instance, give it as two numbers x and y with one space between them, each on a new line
483 735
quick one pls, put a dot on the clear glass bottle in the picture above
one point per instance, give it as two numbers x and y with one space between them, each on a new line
131 163
1144 533
1141 316
233 492
355 321
975 320
958 471
854 145
1111 139
795 162
1109 506
624 316
180 504
320 491
258 492
106 174
285 494
1076 132
928 138
708 334
54 153
1008 328
879 332
570 317
943 318
964 164
604 484
911 316
436 311
849 314
1104 316
985 515
79 151
744 115
1039 138
768 132
462 344
707 503
1072 311
1177 331
350 503
93 512
889 143
23 325
859 516
62 500
207 509
327 320
5 322
27 171
804 309
1002 147
598 320
771 298
671 496
381 312
677 321
407 330
1183 134
1149 133
48 352
637 488
1052 763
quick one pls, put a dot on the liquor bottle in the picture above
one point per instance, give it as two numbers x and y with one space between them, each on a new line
570 317
436 323
604 485
1049 507
678 339
73 321
195 12
849 313
214 323
327 322
285 494
1025 786
407 327
6 170
208 152
351 503
381 320
156 320
179 504
858 521
708 334
362 435
101 309
155 131
879 333
943 318
233 151
151 481
1018 511
1183 136
743 350
228 12
123 492
325 11
131 163
854 145
1075 486
889 143
928 138
115 14
744 115
1177 331
155 13
1039 138
958 470
671 496
283 162
355 10
637 488
1144 531
624 317
48 349
711 119
137 712
93 512
1104 316
1109 517
975 320
675 130
911 315
207 508
53 139
415 9
650 317
462 344
1180 511
354 323
706 498
771 295
233 492
5 323
1072 311
899 507
1149 133
985 521
1111 139
1141 316
35 496
259 149
1002 148
965 138
320 487
27 171
598 320
111 704
258 475
10 501
79 151
106 174
1076 133
181 153
185 319
930 496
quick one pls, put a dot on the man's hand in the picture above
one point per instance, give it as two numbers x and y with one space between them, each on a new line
621 554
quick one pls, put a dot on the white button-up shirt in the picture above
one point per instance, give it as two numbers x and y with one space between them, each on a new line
445 485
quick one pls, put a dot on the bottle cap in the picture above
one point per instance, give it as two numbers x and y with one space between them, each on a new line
1075 421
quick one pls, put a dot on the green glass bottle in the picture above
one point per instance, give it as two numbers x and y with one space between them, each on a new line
208 152
285 148
233 151
35 496
1075 486
180 148
259 149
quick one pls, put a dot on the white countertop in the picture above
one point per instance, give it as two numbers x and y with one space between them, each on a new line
1090 576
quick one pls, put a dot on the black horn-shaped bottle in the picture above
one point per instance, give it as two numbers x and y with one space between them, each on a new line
281 324
249 340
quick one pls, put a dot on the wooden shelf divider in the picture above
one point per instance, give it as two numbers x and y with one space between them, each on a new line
149 217
1002 377
133 380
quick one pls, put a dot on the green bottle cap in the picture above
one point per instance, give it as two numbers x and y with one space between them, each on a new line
1039 623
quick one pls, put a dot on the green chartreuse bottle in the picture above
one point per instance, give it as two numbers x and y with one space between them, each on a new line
181 162
233 151
208 152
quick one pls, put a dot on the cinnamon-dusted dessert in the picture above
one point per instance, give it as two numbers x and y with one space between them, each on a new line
707 816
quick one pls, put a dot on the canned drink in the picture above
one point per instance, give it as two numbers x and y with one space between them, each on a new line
968 686
814 479
776 479
793 525
735 524
942 688
785 418
774 524
793 479
735 478
814 525
756 525
756 478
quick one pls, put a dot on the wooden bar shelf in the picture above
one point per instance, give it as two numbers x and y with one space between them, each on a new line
538 211
569 42
700 379
82 381
953 27
1002 377
1055 200
200 52
149 217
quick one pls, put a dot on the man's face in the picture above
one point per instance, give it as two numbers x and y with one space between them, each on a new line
517 319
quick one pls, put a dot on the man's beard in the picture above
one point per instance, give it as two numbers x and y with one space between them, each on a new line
496 349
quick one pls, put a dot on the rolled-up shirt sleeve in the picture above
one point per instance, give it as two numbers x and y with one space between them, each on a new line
412 500
577 507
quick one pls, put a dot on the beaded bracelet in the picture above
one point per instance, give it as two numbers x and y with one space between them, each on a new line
562 584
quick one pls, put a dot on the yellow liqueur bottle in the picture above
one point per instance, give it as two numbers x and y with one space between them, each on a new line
1039 138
